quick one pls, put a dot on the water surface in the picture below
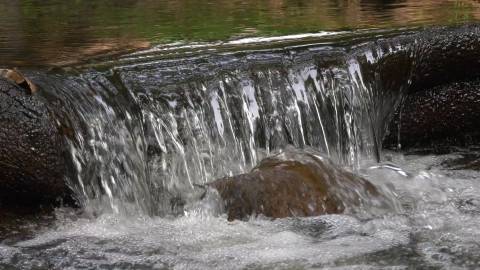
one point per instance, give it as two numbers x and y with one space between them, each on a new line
55 32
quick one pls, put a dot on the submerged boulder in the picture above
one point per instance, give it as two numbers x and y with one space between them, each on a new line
32 163
296 184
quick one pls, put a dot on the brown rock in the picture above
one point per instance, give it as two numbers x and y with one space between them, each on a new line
293 185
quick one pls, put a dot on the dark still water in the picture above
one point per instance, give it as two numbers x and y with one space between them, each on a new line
56 32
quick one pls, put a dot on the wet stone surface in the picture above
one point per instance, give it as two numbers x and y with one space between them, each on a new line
443 116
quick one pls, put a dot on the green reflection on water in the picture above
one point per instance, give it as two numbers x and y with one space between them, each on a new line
40 30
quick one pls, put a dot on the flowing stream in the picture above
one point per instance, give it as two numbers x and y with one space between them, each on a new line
145 130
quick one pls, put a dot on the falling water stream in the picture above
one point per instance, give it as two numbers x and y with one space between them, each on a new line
145 131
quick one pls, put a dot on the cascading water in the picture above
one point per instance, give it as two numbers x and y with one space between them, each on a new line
146 131
145 134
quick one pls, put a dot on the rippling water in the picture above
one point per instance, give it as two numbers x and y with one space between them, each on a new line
55 32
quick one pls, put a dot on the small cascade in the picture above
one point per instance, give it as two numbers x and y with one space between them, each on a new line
143 134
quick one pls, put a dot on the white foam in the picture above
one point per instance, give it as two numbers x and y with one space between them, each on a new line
434 229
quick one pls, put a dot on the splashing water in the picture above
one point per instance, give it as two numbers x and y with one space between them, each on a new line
145 133
438 228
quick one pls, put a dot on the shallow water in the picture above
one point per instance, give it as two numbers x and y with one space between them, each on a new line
437 227
55 32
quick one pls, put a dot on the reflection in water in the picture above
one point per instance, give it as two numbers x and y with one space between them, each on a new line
64 32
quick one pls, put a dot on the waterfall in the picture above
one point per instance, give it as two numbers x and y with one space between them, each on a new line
144 133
